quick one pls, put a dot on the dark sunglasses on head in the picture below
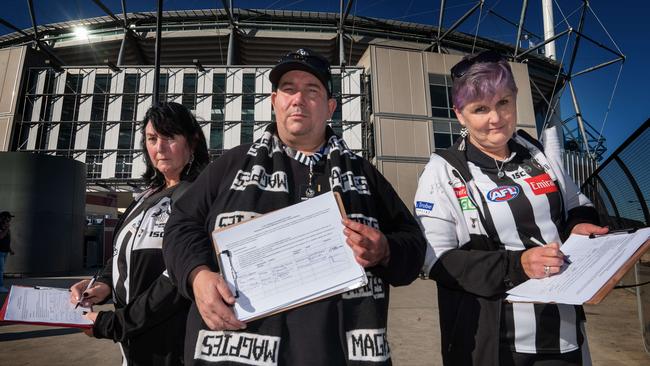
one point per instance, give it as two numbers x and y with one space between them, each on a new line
460 69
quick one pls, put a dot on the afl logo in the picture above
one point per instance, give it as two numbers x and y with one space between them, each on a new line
503 193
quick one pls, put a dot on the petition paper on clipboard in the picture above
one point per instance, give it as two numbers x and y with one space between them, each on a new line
596 266
287 258
44 306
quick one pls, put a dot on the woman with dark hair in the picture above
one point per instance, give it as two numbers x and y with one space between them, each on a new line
485 205
150 315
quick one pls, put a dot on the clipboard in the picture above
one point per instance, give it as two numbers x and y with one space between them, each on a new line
614 280
600 265
248 304
27 317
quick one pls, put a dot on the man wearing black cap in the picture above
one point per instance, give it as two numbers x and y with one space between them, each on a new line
5 245
297 158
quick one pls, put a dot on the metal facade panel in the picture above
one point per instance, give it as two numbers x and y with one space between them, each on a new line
112 130
232 133
404 138
85 107
399 75
59 88
351 108
36 109
403 176
525 111
204 101
146 89
262 102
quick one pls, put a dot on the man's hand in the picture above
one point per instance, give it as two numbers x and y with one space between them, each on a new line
534 260
369 245
94 295
214 300
586 229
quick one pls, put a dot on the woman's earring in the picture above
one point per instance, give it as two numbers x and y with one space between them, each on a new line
189 164
463 133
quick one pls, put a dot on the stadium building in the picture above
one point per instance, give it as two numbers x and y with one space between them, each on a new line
77 91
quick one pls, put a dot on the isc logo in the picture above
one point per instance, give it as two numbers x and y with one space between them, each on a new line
503 193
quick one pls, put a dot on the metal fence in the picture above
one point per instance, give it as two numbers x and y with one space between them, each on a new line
620 190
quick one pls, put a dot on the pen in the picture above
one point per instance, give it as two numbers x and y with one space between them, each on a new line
631 230
90 284
539 243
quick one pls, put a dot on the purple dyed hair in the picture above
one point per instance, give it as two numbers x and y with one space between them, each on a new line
482 80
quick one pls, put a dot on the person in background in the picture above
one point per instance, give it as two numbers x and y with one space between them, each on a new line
485 205
5 245
298 157
149 320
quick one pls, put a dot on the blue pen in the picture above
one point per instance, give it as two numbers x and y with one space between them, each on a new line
539 243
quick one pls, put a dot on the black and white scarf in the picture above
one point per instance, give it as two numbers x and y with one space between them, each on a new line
263 182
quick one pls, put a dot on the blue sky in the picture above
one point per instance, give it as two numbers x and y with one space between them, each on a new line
624 20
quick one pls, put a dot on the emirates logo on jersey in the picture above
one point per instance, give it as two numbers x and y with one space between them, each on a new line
541 184
503 193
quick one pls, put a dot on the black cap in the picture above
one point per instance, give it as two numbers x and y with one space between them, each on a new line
6 214
307 60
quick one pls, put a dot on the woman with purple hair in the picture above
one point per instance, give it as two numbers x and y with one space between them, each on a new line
495 209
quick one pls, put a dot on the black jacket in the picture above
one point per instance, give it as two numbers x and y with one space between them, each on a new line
149 319
325 332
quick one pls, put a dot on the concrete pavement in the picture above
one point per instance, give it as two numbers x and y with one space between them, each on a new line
612 326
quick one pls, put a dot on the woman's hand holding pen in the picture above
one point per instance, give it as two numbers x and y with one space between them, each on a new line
97 293
214 299
544 261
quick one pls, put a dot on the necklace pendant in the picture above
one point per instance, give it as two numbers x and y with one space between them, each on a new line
309 193
501 174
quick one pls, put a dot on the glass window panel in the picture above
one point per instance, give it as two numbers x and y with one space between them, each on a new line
100 97
123 165
93 166
218 112
438 96
69 113
441 126
216 135
163 82
442 140
248 108
130 97
189 91
246 132
337 90
128 112
125 140
95 135
440 112
437 79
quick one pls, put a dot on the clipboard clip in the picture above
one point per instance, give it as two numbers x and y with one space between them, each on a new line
631 230
233 273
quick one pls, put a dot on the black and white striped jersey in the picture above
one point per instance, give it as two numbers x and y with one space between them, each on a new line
525 203
477 226
138 245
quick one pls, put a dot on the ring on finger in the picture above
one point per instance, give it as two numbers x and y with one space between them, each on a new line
547 270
